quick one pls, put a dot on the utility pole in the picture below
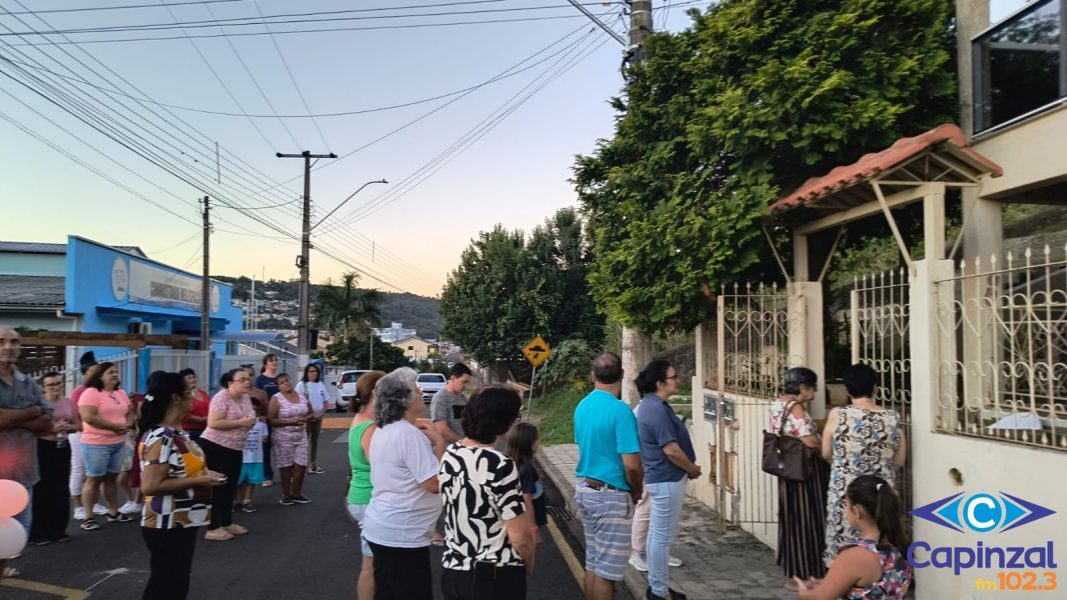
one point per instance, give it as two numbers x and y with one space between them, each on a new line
205 281
636 347
303 262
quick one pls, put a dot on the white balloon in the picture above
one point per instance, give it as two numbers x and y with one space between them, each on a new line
12 537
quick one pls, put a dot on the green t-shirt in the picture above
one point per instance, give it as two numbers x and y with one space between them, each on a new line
359 489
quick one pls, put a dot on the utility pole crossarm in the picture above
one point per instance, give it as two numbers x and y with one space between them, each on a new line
599 23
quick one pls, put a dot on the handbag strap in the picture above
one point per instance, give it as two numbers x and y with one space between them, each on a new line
786 412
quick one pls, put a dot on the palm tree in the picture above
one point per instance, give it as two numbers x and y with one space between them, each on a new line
345 309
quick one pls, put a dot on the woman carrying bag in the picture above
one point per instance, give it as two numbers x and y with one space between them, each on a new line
792 453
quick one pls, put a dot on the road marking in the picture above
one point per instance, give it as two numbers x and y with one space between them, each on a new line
44 588
568 555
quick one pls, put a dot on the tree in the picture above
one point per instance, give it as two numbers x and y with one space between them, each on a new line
353 351
752 99
509 288
346 310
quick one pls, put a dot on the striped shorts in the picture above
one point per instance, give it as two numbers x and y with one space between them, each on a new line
606 517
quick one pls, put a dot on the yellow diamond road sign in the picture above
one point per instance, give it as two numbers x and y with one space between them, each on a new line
537 351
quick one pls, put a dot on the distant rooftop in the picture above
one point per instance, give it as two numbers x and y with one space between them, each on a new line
35 291
50 248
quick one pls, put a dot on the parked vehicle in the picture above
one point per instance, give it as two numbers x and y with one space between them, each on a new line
346 385
430 384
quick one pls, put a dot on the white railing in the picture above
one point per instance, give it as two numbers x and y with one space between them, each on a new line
1003 348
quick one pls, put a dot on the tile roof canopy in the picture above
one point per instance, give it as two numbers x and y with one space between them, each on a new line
50 248
33 291
946 140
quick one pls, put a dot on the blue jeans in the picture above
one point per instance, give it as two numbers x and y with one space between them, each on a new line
666 500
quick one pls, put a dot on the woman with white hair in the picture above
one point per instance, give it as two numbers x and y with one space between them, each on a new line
404 458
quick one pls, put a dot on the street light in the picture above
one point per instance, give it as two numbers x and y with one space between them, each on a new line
346 200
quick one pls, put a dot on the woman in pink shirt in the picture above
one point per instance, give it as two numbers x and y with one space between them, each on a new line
106 416
229 418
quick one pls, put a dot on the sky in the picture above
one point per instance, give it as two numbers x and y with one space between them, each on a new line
513 173
499 153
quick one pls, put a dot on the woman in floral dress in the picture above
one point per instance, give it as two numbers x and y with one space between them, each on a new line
859 439
801 504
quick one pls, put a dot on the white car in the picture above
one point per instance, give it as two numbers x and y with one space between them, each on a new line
430 384
346 386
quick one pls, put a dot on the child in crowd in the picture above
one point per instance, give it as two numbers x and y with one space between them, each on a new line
130 477
252 463
522 446
873 566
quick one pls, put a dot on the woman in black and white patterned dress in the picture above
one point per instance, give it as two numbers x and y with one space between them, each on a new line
489 542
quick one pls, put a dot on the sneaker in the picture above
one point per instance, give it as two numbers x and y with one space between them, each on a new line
99 509
218 535
638 562
79 513
316 470
301 499
130 507
674 561
246 507
236 529
285 501
40 542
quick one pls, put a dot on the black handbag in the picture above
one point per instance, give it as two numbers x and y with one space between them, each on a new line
786 456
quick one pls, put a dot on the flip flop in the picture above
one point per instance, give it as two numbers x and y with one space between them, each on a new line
11 572
90 525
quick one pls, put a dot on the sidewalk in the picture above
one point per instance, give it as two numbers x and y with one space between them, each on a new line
716 565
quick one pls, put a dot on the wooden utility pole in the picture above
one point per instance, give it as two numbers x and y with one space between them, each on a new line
303 261
205 281
636 346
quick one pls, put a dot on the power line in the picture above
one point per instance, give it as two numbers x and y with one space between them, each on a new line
293 31
179 244
121 7
296 86
255 81
270 19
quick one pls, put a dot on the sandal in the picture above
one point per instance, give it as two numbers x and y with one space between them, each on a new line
11 572
119 518
90 525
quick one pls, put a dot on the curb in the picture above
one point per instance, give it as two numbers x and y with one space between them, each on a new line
636 583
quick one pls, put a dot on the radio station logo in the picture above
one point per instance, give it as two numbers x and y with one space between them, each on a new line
982 512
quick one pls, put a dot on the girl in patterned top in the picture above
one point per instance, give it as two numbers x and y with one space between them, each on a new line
872 567
176 484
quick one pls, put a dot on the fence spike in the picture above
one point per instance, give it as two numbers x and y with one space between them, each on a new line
1028 254
1048 253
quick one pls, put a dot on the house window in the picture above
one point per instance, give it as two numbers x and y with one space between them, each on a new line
411 347
1020 64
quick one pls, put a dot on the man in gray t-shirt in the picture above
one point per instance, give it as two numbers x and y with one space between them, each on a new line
446 408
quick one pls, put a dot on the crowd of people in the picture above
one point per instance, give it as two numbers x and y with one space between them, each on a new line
460 470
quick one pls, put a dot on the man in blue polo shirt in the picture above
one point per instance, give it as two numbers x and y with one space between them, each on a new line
609 477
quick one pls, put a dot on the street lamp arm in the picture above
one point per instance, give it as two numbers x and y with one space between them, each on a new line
321 221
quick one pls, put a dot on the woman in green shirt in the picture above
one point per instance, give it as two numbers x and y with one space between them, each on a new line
359 486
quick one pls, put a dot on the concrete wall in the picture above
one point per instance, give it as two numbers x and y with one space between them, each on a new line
16 263
1031 154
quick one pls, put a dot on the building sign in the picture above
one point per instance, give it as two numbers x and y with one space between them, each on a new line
152 285
120 279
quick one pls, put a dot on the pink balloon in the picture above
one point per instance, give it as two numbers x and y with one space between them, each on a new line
12 537
13 498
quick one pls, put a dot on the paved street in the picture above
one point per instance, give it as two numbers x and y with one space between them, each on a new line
291 552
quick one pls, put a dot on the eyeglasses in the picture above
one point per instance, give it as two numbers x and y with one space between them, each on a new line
671 377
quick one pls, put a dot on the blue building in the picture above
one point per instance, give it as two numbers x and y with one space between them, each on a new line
86 286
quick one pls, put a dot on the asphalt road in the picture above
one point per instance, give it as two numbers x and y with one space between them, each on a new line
292 552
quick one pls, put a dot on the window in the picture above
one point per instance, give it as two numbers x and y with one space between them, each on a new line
1020 64
411 347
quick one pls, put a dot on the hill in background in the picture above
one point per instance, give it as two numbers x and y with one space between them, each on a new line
417 312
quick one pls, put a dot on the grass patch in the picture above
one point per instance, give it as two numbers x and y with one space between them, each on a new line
554 415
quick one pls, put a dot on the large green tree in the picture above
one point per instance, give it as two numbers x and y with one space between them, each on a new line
509 287
721 118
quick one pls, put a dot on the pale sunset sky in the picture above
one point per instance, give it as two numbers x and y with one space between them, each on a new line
460 164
